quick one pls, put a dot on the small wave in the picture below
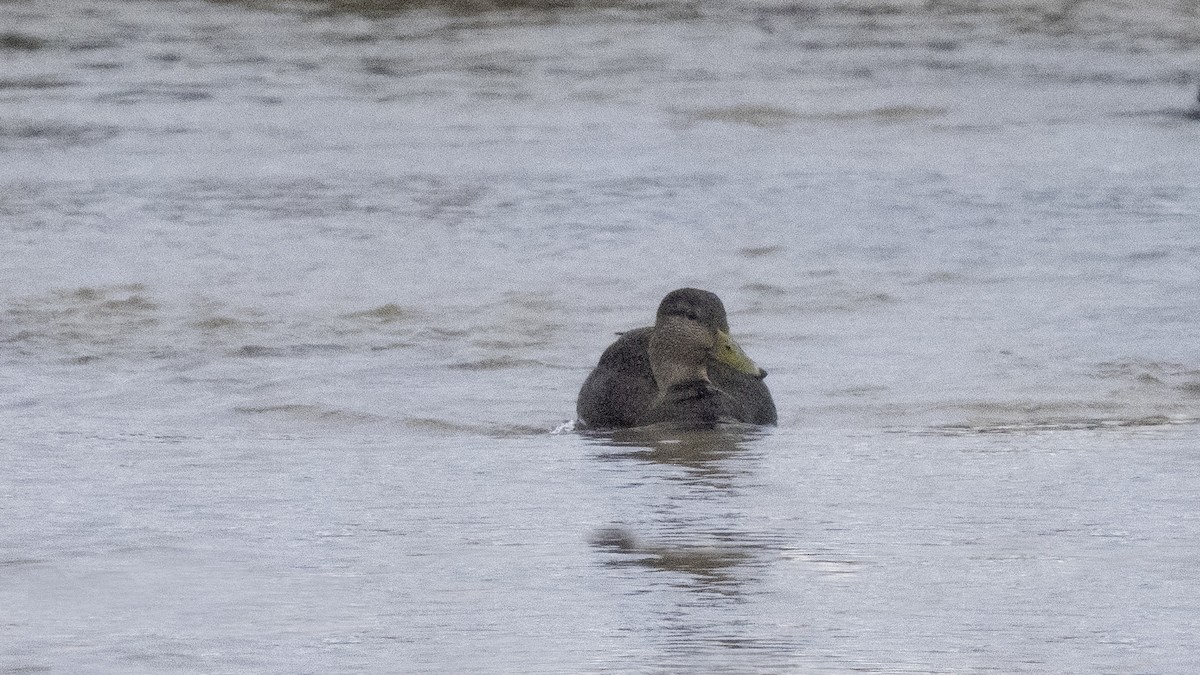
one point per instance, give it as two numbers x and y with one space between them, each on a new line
389 313
221 323
62 134
452 427
36 82
1146 371
899 113
497 363
759 252
177 94
1053 425
256 351
21 562
260 351
88 315
310 412
24 42
765 289
755 115
566 427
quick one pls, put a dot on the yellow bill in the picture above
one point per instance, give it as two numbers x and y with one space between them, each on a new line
731 354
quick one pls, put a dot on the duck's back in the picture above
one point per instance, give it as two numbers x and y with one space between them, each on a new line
621 387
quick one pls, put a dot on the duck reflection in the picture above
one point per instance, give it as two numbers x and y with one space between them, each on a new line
712 460
702 452
688 540
713 566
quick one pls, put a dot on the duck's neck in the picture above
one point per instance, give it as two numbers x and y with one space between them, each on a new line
669 373
676 357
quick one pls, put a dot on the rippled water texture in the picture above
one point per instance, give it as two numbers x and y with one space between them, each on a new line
294 296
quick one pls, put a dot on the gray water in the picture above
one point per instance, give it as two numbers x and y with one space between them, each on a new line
295 306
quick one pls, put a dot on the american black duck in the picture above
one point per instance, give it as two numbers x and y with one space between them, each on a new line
685 370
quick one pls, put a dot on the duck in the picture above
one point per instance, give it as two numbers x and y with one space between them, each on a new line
685 370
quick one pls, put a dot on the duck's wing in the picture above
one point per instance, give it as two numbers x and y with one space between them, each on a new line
694 404
749 399
621 387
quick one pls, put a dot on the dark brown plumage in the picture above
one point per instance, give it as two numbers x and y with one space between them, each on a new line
684 370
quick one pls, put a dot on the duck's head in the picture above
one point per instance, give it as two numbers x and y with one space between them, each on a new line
690 329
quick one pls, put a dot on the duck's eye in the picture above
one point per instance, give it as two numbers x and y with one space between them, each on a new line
691 315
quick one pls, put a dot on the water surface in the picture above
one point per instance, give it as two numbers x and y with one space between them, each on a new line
293 301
